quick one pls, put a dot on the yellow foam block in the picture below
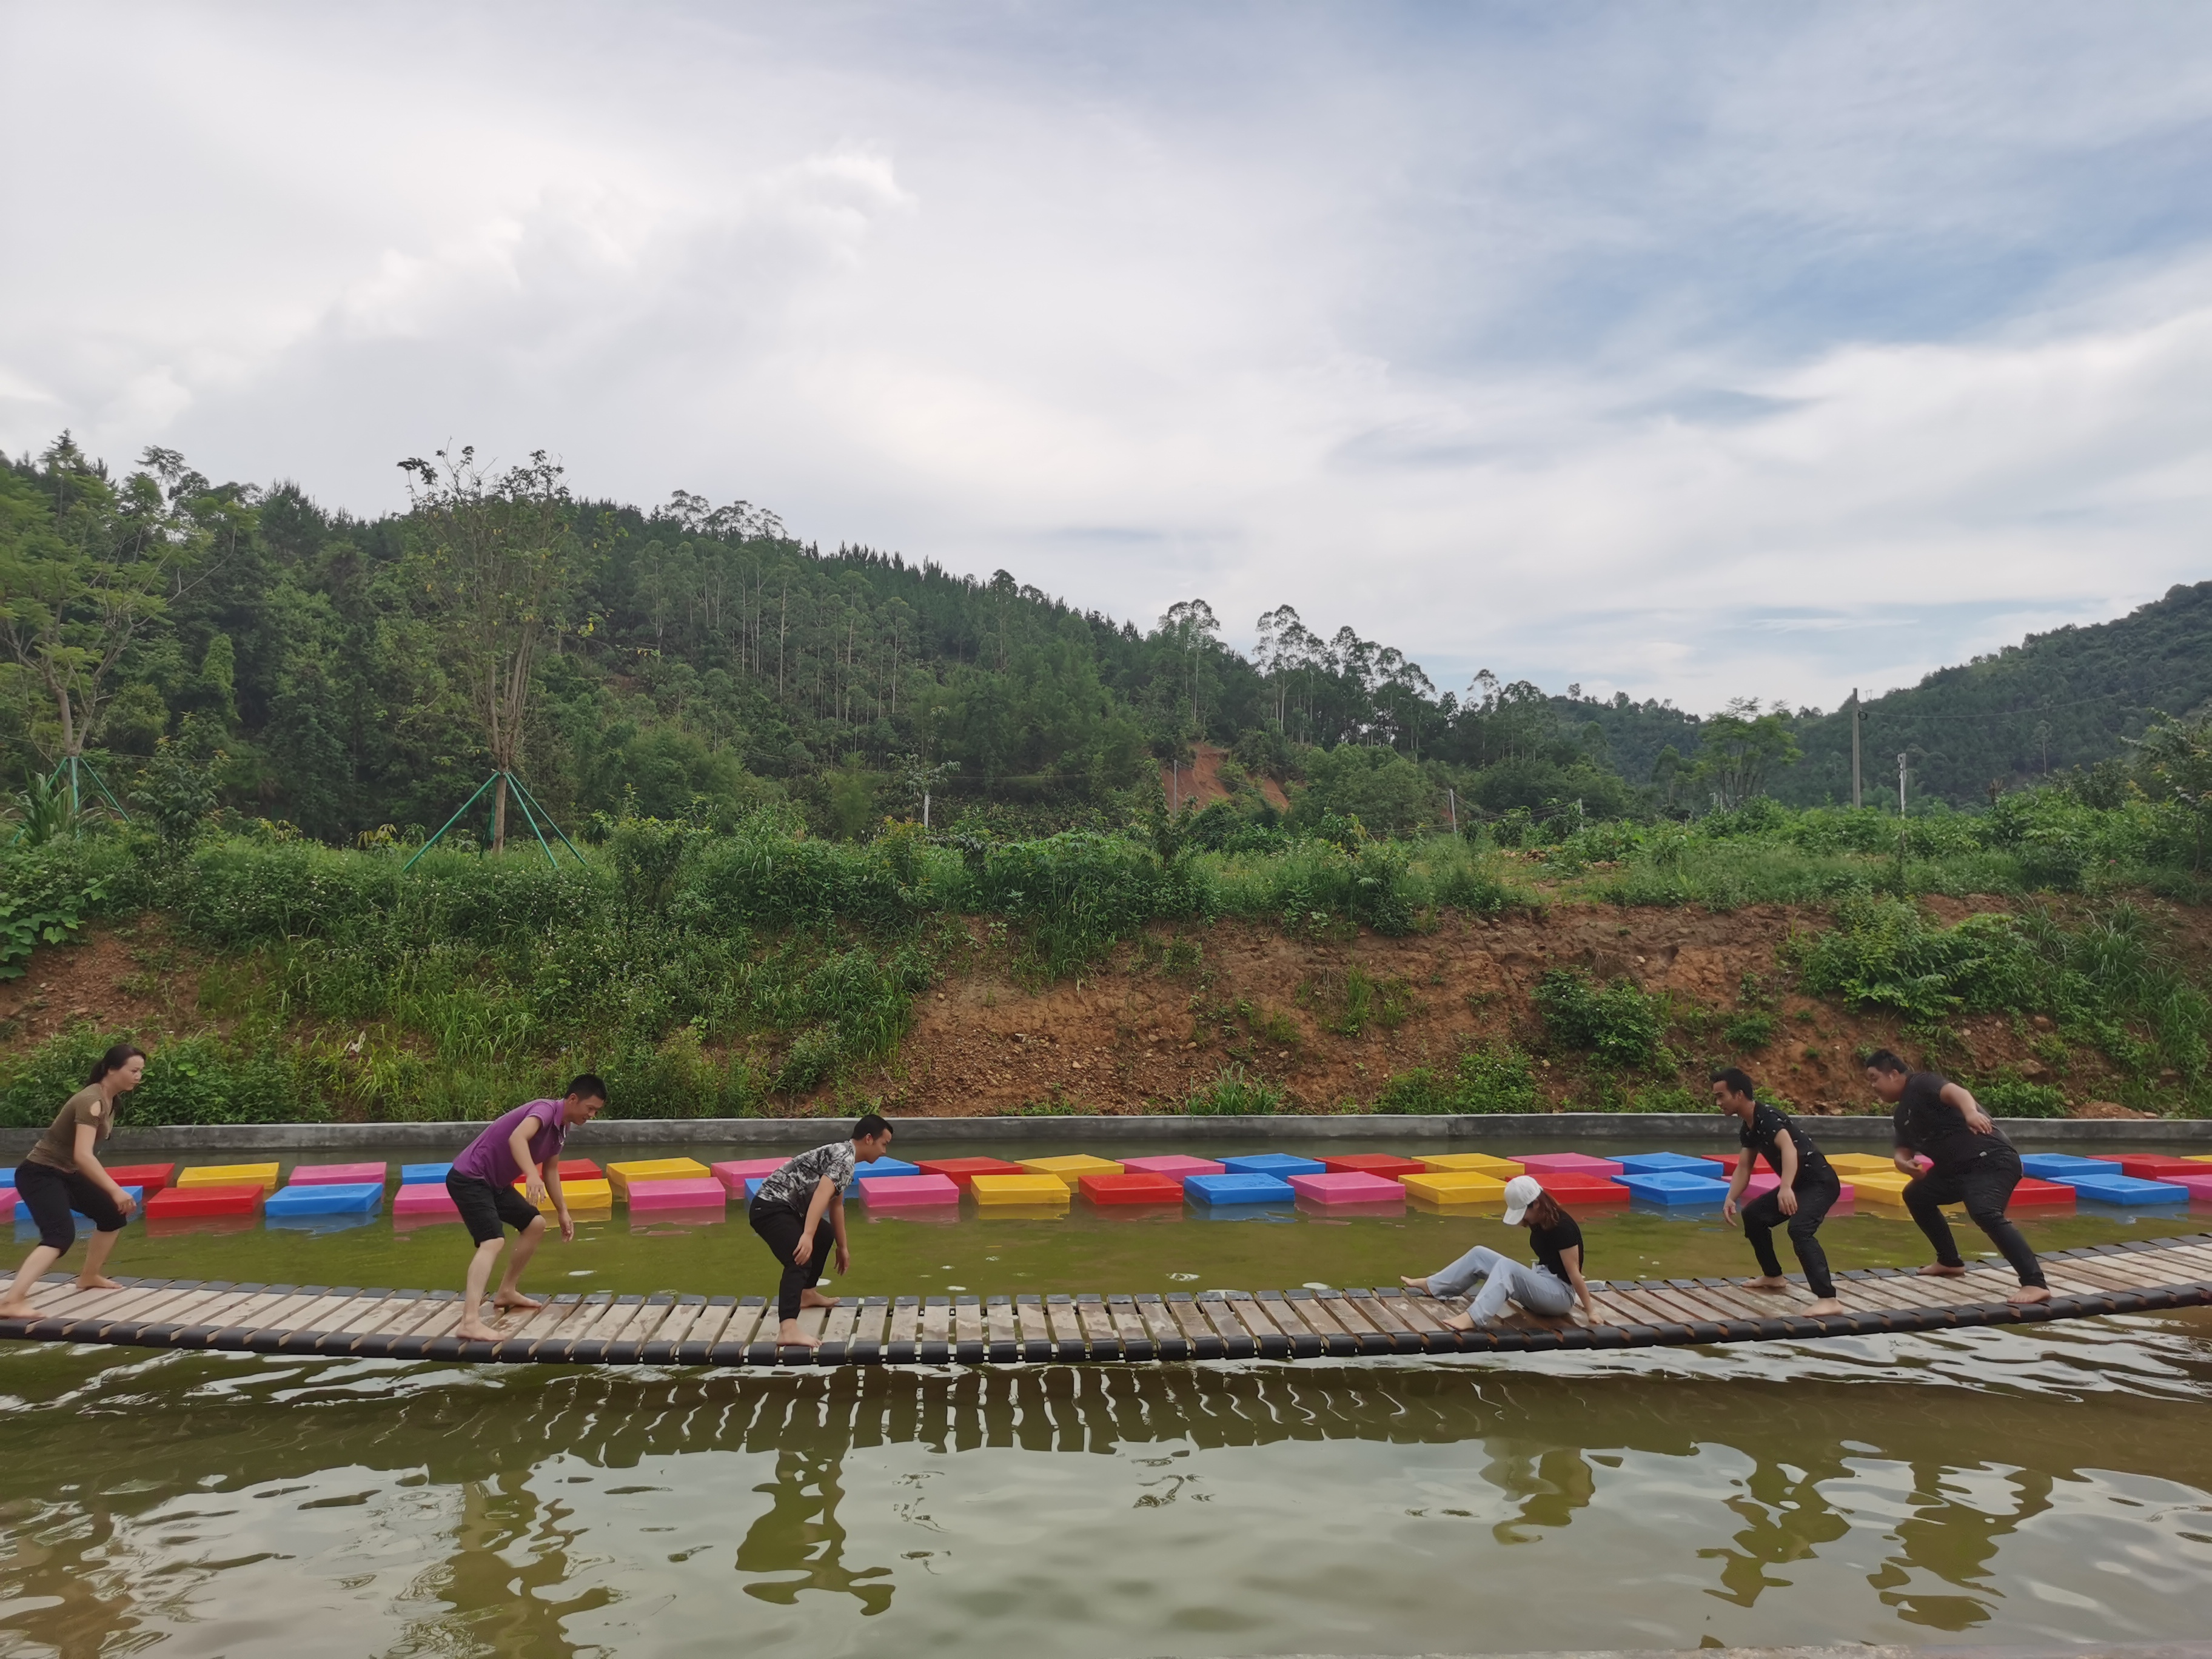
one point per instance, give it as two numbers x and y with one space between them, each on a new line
1030 1190
1500 1168
619 1176
1456 1187
2198 1158
262 1176
580 1194
1070 1170
1867 1161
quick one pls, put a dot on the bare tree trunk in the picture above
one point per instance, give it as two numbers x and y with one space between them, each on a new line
499 815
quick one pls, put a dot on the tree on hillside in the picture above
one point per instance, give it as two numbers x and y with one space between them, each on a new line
86 566
1741 750
498 559
1191 628
2174 759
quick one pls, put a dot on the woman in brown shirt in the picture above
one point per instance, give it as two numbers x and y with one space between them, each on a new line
63 1173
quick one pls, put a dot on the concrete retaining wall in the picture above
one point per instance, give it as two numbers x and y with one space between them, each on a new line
1616 1128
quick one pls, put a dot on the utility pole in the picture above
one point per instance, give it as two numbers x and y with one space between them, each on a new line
1901 826
1451 801
1856 716
925 809
1900 785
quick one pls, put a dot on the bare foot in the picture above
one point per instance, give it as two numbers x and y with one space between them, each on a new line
17 1311
474 1330
2029 1295
814 1298
1460 1322
1420 1285
1937 1270
98 1282
1766 1283
788 1335
515 1302
1827 1304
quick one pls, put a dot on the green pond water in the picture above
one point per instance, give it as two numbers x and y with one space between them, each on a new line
2048 1486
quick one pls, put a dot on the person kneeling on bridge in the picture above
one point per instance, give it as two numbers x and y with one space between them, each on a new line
1809 1186
1550 1288
799 1213
1969 1160
522 1144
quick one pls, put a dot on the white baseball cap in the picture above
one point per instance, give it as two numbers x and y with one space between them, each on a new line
1520 1193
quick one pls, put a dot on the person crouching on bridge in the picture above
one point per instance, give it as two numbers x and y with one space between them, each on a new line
1550 1288
1969 1160
1809 1186
63 1174
799 1213
522 1144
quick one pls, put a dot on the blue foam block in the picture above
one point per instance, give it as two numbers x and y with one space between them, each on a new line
886 1166
2057 1166
423 1175
7 1178
365 1198
1667 1163
1249 1188
1671 1187
1273 1164
2124 1189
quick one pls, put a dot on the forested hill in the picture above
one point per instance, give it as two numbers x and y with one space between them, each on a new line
2057 702
225 644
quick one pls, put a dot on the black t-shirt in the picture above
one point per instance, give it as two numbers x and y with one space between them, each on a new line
1548 1241
1926 1123
1762 1135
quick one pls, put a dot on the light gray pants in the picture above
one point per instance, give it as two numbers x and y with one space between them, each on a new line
1503 1280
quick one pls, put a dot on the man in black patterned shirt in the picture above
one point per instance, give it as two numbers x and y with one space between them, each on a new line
799 1213
1807 1187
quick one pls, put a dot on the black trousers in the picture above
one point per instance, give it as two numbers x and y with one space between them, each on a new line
781 1228
1984 1186
50 1194
1764 1214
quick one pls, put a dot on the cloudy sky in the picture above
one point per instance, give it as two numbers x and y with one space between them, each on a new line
1684 349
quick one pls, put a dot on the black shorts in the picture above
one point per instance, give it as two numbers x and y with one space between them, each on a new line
485 1209
50 1194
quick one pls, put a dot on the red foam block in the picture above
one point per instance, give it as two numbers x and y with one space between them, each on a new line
962 1170
152 1178
2153 1166
1581 1189
1375 1163
1145 1187
176 1201
2033 1194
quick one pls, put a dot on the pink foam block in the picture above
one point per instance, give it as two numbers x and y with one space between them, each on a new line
1351 1186
430 1198
906 1192
734 1175
2200 1186
1175 1166
696 1193
6 1201
336 1175
1568 1164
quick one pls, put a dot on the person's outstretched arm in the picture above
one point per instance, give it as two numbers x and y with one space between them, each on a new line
88 1137
824 1190
1958 1095
1572 1260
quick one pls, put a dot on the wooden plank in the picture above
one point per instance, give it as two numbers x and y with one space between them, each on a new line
677 1327
1030 1316
1066 1326
967 1321
1357 1317
1685 1306
1000 1325
138 1305
1097 1325
1128 1324
838 1327
67 1302
744 1326
906 1323
936 1323
1221 1318
870 1320
541 1326
1160 1325
712 1325
1193 1324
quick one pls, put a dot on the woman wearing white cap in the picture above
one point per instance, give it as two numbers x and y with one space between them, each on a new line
1550 1288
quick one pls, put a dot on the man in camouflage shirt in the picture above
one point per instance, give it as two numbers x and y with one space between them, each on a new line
799 1213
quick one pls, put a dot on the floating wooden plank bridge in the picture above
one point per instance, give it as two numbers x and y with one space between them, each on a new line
668 1329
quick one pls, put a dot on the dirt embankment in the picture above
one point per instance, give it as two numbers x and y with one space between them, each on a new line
1199 784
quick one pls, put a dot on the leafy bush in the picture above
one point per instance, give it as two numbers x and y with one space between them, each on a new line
1232 1094
198 1079
2008 1095
1750 1031
46 897
1491 1078
1618 1024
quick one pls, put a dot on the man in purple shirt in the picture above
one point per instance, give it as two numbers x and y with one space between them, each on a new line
522 1144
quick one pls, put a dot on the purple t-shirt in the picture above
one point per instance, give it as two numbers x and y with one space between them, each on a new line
489 1157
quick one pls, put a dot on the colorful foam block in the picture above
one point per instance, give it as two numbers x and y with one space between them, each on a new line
2127 1190
2200 1157
8 1178
1763 1183
1872 1164
619 1176
1026 1189
1576 1187
1672 1188
1504 1168
180 1200
1455 1187
736 1172
422 1175
1663 1163
262 1176
2055 1166
962 1170
1281 1165
1132 1186
2154 1166
1379 1164
337 1175
1069 1171
1541 1163
690 1192
327 1198
2033 1194
6 1201
1348 1187
582 1168
152 1178
580 1194
1241 1187
909 1192
887 1167
2199 1186
1175 1166
424 1198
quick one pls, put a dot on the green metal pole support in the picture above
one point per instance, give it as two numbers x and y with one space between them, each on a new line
449 823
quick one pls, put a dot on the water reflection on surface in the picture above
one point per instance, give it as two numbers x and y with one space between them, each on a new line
2043 1486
